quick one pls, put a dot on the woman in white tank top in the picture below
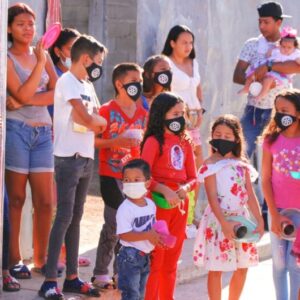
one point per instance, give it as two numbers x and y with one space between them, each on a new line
179 47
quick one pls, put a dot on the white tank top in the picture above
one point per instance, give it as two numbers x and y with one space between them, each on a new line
186 86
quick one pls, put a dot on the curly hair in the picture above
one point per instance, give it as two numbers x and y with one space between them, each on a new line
272 131
234 124
156 122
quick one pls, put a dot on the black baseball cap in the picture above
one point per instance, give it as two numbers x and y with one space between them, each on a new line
271 9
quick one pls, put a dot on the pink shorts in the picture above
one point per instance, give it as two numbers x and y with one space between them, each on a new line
195 136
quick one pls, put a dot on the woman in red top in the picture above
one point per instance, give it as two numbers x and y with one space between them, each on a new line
170 155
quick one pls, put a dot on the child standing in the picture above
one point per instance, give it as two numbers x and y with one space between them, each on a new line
170 155
74 155
118 144
281 155
135 218
60 53
157 78
226 176
287 50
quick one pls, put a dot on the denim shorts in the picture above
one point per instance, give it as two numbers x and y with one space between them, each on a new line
28 149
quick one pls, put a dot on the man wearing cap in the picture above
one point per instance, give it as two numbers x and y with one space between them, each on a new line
254 55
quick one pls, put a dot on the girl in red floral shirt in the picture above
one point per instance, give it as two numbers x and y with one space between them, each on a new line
227 178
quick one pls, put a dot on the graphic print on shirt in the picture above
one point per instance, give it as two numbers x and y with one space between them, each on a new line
177 157
143 223
287 160
119 155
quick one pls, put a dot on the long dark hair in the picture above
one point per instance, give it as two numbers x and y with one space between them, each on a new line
234 124
272 131
15 10
173 36
148 67
64 37
156 122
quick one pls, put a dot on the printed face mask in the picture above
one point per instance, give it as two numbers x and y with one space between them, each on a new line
163 78
284 121
176 125
94 71
223 146
134 190
66 63
133 90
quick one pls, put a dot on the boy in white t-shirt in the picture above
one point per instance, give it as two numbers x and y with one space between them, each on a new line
135 218
75 125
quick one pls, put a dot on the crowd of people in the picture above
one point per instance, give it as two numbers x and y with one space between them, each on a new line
150 162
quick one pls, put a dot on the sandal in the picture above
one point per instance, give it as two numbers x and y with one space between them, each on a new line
103 285
10 284
83 261
42 270
20 271
80 287
50 291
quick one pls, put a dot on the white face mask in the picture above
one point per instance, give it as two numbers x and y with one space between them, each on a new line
67 63
134 190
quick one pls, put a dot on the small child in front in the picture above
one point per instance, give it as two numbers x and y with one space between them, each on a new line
135 218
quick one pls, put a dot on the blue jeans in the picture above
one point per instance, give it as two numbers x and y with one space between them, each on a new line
133 271
5 232
286 273
253 122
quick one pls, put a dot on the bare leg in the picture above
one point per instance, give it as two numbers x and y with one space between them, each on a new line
16 190
267 84
245 89
237 283
214 285
42 198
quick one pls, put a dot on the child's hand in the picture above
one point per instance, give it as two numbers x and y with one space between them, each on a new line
154 238
125 142
276 223
260 228
172 197
181 193
228 229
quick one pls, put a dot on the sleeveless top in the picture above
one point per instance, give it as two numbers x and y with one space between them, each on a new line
30 114
186 86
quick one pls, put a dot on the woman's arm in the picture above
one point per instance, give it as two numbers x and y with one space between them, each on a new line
24 92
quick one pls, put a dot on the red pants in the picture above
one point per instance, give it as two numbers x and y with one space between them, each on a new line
162 277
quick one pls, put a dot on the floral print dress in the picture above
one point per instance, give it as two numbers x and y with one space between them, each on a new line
212 250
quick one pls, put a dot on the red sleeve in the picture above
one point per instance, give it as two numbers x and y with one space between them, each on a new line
190 166
266 145
149 154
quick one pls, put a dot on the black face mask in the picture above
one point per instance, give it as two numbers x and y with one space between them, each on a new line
133 90
163 78
223 146
94 71
284 121
176 125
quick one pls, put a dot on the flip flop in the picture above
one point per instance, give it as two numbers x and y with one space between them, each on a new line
103 285
10 284
20 271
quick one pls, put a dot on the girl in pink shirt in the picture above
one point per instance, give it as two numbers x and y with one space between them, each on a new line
281 157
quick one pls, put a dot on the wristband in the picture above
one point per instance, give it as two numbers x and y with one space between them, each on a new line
269 65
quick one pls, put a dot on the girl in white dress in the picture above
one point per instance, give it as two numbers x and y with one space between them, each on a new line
227 178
